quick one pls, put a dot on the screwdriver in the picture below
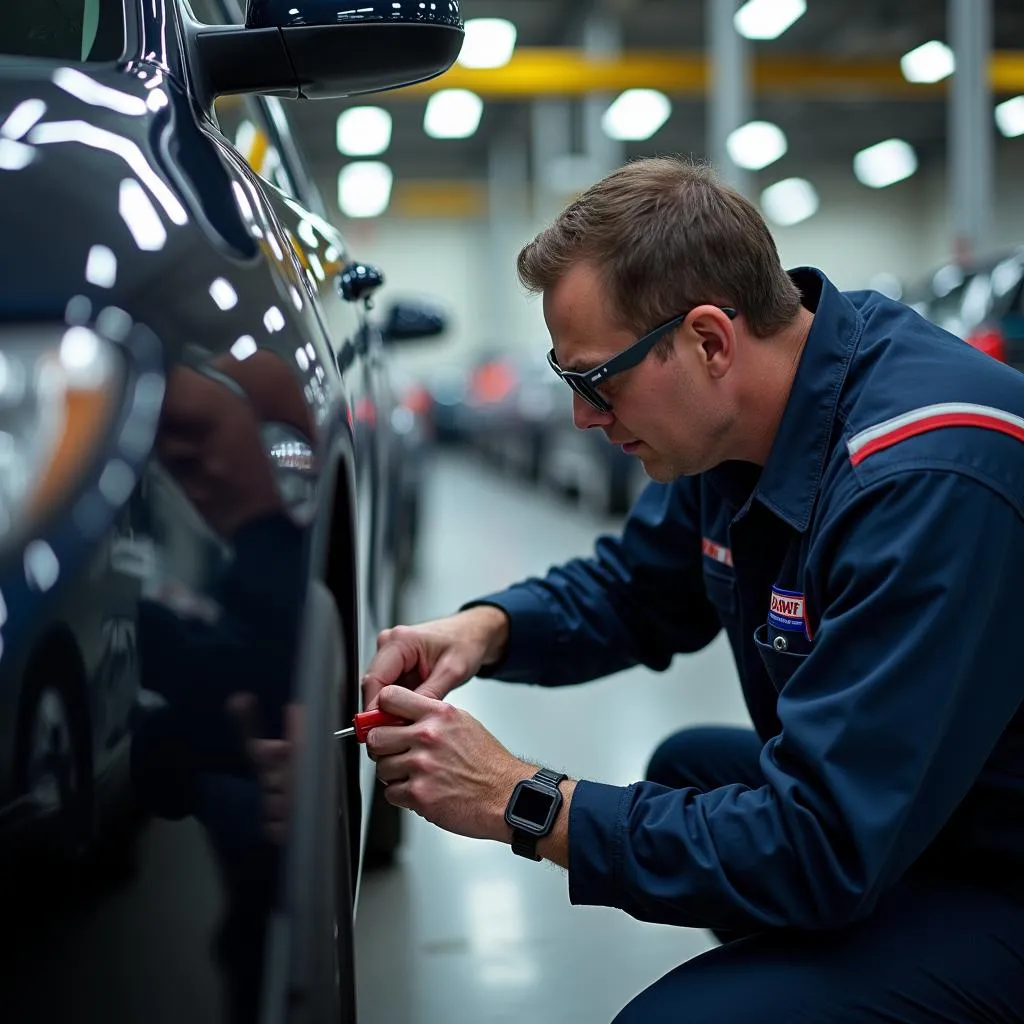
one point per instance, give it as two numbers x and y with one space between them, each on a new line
367 720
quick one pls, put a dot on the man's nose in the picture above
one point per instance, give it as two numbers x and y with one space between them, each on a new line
584 415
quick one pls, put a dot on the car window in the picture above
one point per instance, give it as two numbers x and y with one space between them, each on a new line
71 30
242 122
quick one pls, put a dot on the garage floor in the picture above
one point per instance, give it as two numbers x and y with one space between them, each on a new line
463 932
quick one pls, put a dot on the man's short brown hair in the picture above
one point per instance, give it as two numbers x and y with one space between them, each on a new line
667 236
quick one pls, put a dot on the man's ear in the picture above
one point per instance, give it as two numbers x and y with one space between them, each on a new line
717 338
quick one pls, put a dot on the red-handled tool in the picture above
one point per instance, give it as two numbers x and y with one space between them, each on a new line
367 720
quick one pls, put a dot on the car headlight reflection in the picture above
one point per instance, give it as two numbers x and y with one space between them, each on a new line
58 391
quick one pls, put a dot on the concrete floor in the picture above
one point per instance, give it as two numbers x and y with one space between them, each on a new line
462 931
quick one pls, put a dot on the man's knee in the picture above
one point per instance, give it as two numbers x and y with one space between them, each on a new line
706 757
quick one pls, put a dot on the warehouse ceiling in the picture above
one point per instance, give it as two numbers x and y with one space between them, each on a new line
824 124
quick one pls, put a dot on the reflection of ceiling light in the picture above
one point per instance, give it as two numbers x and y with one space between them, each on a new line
488 43
101 267
22 118
452 114
364 188
756 144
88 90
885 163
767 19
1010 117
364 131
244 347
223 294
273 320
930 62
140 215
789 201
15 156
636 114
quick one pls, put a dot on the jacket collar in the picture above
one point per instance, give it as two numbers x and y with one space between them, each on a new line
791 476
789 481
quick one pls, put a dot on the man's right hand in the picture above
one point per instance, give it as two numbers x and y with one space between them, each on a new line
435 657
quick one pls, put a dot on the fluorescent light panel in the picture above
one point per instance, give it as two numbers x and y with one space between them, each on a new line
885 163
488 43
636 114
364 188
364 131
756 144
452 114
767 19
789 201
930 62
1010 117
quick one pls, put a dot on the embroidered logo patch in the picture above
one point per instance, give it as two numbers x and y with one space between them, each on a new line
716 551
787 611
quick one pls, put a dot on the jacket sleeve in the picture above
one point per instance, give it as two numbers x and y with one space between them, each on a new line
639 600
886 724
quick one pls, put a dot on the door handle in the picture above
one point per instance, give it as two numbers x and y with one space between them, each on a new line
358 281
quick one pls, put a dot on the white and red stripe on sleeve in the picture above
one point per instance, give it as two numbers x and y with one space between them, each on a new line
932 417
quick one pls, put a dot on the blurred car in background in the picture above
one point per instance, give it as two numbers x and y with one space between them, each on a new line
202 480
510 408
982 302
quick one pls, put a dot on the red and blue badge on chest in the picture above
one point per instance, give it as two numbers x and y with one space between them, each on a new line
788 626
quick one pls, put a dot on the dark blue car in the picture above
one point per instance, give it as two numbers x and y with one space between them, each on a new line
197 507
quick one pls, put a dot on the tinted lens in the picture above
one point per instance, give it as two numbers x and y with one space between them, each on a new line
586 392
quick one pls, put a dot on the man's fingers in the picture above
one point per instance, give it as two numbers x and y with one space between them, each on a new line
408 704
393 769
390 664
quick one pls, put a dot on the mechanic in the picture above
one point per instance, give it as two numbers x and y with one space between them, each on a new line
839 485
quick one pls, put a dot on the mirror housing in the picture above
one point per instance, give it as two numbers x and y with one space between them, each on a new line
411 320
306 49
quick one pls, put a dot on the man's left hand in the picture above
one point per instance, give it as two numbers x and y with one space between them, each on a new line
444 765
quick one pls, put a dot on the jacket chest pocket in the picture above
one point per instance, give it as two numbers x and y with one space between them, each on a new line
779 654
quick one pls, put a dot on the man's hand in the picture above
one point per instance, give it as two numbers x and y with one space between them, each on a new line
445 765
435 657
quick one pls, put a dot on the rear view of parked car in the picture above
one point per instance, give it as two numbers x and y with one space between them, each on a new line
200 507
983 303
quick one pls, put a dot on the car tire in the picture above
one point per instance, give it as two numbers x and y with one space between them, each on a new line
53 764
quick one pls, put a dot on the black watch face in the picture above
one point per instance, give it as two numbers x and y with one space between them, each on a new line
532 805
533 808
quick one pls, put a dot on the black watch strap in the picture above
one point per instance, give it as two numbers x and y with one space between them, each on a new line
523 843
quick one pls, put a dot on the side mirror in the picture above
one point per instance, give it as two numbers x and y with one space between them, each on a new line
305 49
410 321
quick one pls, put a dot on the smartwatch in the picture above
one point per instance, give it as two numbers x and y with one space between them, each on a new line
532 810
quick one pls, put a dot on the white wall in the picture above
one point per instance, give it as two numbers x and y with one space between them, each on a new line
858 233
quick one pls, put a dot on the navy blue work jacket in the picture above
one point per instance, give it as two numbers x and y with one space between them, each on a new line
870 580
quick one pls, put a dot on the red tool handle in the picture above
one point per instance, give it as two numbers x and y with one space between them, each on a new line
367 720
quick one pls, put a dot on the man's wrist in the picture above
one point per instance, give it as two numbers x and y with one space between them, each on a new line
555 845
492 625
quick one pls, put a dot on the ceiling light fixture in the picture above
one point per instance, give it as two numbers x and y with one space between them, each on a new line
767 19
364 188
363 131
488 43
929 62
636 115
789 201
885 163
756 144
1010 117
452 114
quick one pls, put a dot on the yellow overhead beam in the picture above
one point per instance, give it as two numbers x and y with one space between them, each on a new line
552 71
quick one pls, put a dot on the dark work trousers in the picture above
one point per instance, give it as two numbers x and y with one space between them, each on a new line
934 950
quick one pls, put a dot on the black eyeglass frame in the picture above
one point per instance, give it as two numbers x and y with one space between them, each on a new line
585 383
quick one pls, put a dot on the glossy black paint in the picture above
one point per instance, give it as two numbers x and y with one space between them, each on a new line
283 13
210 573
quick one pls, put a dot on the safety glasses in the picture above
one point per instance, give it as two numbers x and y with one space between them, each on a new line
586 383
